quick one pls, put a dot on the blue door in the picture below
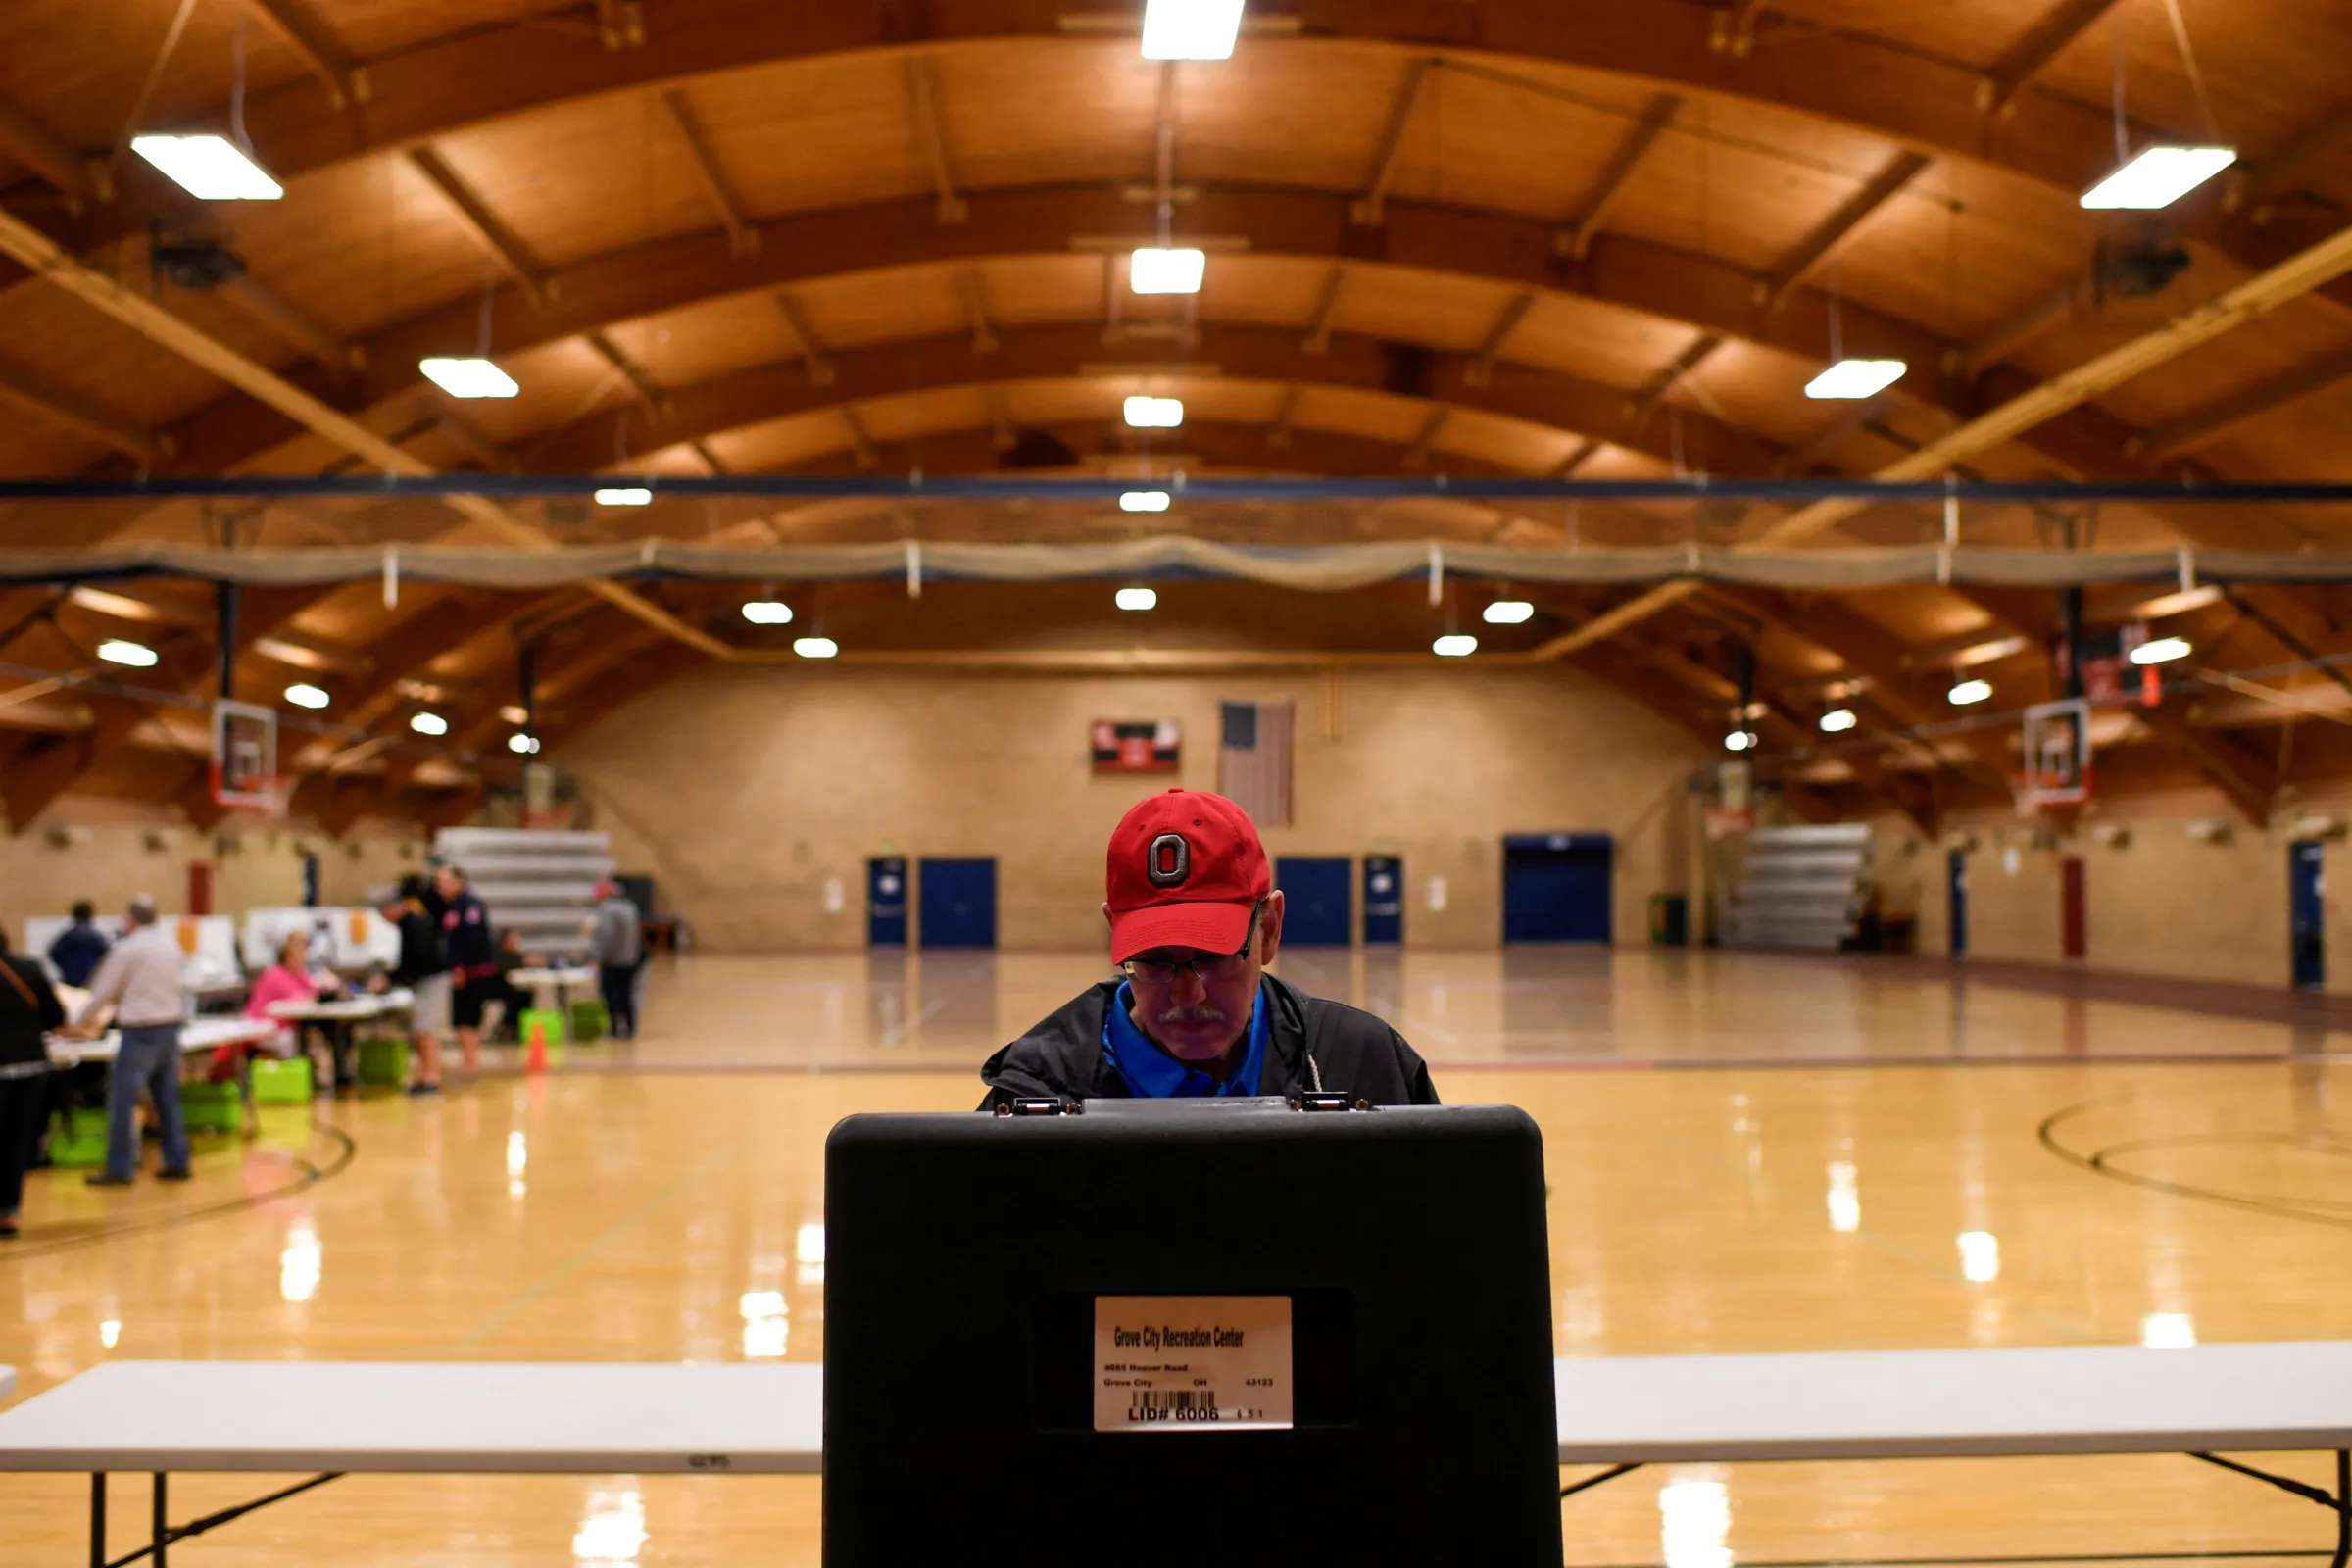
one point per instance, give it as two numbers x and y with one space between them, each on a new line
1384 901
2307 912
1318 908
959 903
886 902
1959 894
1558 887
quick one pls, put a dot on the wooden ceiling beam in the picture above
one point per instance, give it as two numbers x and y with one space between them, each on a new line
1965 362
71 411
974 289
628 369
2257 185
930 134
483 226
346 81
743 235
811 348
81 181
292 323
1371 209
2022 61
1481 371
2201 426
2249 782
1883 86
1837 231
1592 216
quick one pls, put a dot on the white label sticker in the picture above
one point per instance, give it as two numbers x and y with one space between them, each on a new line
1192 1363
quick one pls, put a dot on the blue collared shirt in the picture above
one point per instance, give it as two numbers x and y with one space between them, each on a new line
1150 1074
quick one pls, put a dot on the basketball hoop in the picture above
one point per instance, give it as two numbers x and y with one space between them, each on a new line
244 768
2056 753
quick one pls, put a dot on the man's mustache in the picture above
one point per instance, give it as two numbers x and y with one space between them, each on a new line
1201 1012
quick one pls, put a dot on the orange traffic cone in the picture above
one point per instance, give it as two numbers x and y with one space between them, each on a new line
534 1060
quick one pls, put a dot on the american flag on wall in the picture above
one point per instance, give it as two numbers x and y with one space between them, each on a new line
1253 760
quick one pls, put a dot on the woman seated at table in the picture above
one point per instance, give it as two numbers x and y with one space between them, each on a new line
289 980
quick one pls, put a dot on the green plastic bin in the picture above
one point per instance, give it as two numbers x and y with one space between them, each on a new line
281 1083
208 1108
384 1062
77 1140
590 1022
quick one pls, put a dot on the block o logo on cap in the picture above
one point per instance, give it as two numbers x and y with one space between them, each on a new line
1171 861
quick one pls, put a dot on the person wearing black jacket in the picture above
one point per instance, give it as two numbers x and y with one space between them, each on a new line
424 973
28 1009
1194 919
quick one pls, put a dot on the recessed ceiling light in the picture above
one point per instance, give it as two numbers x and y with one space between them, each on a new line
523 745
1850 379
1970 691
2176 603
625 496
1509 612
468 378
1838 721
1143 501
1190 30
1155 271
138 656
815 647
428 725
2157 178
303 694
1138 598
1738 740
2162 650
1454 645
211 169
767 613
1154 414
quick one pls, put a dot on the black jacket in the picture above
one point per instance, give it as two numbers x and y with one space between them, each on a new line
420 955
28 1007
1351 1053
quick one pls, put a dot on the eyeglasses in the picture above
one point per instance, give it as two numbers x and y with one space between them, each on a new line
1208 966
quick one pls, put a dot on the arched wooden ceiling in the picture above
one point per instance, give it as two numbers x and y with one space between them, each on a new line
1474 235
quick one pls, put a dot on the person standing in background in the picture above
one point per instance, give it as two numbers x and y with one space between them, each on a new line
140 978
79 947
472 956
619 945
28 1009
424 972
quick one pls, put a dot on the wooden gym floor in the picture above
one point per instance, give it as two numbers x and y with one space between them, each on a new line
1745 1154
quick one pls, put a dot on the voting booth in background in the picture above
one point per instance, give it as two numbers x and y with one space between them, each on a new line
1190 1331
209 942
340 938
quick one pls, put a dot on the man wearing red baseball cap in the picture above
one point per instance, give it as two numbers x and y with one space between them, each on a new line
1194 919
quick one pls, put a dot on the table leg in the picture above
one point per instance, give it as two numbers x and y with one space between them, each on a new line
163 1521
97 1519
2343 1507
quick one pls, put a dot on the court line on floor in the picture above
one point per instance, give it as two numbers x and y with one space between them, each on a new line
174 1219
2097 1164
539 1288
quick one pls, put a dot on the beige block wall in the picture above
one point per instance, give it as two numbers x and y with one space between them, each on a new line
108 861
745 791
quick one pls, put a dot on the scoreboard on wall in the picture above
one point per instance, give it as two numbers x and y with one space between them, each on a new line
1144 747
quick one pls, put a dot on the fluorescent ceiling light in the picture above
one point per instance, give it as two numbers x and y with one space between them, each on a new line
1190 30
1454 645
1154 414
1988 651
1849 380
1838 721
429 724
302 694
815 647
1509 612
2176 603
1139 599
469 379
514 713
2157 178
1152 270
138 656
1143 501
1738 740
211 169
1971 691
767 613
2163 651
625 496
523 745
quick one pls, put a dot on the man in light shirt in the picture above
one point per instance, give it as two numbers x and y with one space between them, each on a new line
140 978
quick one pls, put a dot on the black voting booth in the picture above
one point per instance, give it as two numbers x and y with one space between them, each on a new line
1025 1315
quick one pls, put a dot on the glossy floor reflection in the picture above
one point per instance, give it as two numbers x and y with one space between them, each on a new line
1521 1007
1769 1206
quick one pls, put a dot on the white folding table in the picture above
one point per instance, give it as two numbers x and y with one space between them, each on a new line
339 1017
205 1034
1623 1412
552 987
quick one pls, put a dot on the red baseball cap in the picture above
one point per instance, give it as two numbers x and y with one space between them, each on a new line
1185 870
